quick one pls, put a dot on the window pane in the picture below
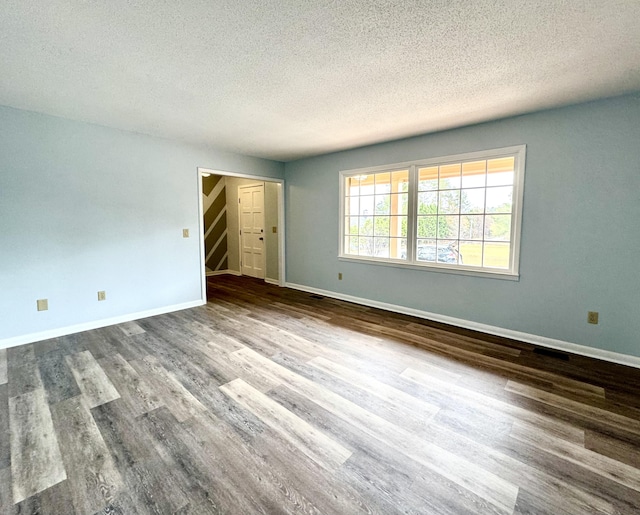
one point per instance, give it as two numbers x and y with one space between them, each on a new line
428 203
400 181
381 246
471 227
426 251
427 226
474 174
383 183
351 186
398 248
496 255
367 184
428 179
497 227
366 226
499 199
381 226
399 204
500 171
351 225
383 205
449 202
447 252
450 176
351 205
463 211
365 246
353 244
398 226
366 205
347 245
471 253
447 226
472 201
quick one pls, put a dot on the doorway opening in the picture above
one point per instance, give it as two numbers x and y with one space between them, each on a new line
241 226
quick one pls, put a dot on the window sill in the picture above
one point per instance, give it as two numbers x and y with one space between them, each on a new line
438 268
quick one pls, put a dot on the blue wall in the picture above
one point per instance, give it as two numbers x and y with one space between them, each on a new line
580 233
86 208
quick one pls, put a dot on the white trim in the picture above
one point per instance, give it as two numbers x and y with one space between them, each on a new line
203 266
467 156
281 233
257 178
272 281
281 217
543 341
433 267
512 273
223 272
97 324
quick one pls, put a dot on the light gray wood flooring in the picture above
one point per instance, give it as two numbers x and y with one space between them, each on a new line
273 401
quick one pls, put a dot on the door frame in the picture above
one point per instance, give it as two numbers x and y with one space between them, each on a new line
281 223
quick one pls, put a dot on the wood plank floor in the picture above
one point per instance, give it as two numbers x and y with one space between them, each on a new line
273 401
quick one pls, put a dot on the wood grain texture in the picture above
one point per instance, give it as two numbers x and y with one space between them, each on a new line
52 501
23 374
5 435
273 401
57 378
3 366
93 479
130 328
305 437
485 402
575 407
134 390
180 401
590 460
6 497
482 482
36 461
91 379
385 392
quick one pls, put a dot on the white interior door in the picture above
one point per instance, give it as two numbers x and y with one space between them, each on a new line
252 230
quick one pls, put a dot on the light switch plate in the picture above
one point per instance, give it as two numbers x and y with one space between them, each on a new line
43 304
185 233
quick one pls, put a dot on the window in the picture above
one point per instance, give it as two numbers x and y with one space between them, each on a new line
457 213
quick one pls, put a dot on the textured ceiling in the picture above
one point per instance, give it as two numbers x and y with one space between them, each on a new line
285 79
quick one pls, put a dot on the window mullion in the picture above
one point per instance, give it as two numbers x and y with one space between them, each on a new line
412 214
387 224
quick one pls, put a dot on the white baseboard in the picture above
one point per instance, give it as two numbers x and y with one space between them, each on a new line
223 272
268 280
543 341
78 328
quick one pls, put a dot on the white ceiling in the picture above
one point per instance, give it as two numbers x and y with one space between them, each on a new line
285 79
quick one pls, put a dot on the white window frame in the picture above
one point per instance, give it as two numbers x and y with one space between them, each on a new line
512 273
